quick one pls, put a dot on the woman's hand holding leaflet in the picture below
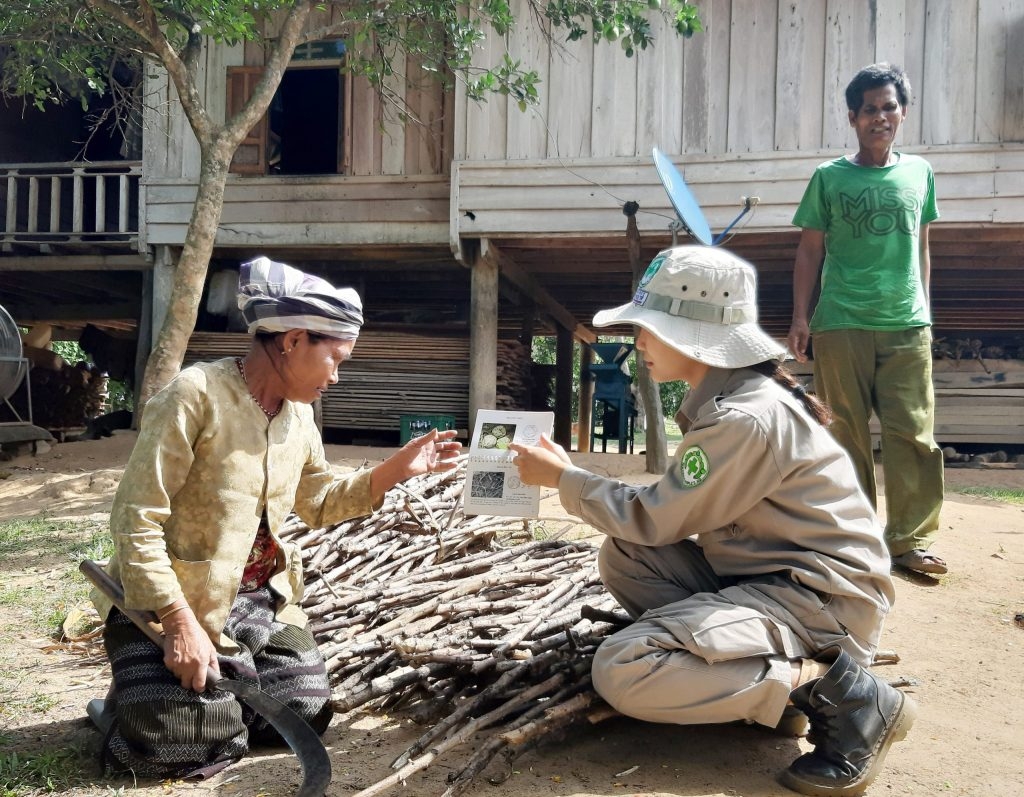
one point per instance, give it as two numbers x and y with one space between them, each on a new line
541 464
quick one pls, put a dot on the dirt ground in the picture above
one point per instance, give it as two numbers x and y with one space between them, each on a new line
956 638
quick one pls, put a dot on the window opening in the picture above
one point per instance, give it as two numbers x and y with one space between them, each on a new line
305 122
306 129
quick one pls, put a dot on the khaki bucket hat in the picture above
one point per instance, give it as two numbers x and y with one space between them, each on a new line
701 301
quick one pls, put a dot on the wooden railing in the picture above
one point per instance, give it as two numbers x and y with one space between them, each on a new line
69 203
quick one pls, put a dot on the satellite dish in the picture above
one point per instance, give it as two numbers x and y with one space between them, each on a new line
689 212
691 217
13 367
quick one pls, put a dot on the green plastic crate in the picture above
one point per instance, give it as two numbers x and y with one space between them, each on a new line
416 425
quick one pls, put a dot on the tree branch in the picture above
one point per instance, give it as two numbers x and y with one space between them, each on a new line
236 128
149 30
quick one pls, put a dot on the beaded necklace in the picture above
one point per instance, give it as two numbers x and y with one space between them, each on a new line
241 369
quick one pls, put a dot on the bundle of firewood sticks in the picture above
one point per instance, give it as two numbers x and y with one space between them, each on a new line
467 623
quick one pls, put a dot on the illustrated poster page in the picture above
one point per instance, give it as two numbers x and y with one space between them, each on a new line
492 479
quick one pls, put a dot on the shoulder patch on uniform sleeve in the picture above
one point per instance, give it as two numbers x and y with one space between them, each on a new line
694 466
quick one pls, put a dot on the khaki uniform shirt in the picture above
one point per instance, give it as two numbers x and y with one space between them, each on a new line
206 466
764 490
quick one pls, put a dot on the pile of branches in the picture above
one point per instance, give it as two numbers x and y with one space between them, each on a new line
464 622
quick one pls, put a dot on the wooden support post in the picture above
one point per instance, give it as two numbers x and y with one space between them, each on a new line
529 319
483 335
144 343
481 316
563 387
163 284
657 441
524 282
586 399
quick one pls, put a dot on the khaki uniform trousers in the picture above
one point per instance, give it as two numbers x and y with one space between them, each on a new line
706 649
857 371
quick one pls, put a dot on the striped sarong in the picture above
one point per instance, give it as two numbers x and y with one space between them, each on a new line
164 731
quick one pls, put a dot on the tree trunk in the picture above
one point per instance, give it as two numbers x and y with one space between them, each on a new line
217 147
190 272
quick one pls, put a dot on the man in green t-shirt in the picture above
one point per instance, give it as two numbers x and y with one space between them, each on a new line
866 216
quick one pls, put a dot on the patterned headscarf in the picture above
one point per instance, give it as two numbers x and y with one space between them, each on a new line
274 297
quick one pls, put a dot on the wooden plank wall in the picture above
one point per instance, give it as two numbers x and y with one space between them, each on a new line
169 147
322 210
976 184
757 93
766 75
381 144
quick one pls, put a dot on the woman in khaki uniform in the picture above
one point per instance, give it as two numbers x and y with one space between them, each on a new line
755 568
225 453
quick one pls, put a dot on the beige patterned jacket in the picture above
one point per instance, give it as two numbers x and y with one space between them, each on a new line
206 464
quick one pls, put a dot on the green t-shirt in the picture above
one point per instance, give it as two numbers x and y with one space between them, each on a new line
872 221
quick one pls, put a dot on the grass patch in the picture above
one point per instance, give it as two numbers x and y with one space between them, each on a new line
41 557
45 537
46 771
35 703
1005 494
673 436
41 584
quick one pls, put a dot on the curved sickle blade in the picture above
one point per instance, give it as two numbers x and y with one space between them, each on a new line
312 755
307 746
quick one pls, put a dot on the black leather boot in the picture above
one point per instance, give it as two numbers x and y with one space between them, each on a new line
854 716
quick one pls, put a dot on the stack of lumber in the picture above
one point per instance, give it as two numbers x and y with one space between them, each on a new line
392 374
207 346
513 384
977 401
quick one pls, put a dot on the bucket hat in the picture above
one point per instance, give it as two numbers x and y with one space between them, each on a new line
701 301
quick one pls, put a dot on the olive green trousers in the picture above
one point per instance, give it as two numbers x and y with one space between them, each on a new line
859 371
